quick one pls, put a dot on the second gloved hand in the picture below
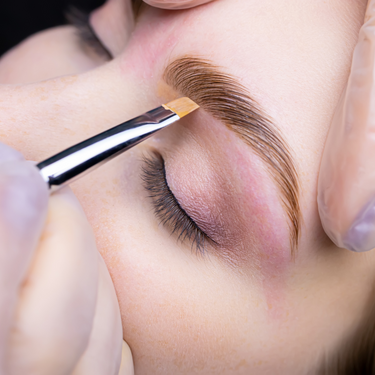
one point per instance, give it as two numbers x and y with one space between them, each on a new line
346 192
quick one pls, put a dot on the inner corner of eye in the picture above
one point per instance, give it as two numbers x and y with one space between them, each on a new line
167 208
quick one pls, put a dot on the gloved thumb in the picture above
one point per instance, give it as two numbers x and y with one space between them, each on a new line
346 190
23 208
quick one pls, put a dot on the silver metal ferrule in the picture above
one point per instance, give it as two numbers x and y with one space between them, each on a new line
70 164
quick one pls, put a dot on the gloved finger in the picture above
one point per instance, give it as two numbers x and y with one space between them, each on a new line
57 302
103 355
346 190
23 207
176 4
9 154
127 367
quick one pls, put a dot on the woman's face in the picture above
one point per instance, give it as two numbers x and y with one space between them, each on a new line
240 303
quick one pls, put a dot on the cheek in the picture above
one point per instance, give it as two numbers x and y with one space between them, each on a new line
171 311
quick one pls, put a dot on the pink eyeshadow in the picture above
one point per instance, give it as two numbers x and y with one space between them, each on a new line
256 238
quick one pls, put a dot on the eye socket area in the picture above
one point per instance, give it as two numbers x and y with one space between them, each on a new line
167 208
189 193
226 190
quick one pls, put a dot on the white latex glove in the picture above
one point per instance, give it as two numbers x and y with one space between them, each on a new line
346 191
176 4
58 309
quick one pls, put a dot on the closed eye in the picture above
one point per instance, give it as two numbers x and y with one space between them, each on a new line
166 206
86 34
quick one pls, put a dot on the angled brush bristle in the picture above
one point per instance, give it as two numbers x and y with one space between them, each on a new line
182 106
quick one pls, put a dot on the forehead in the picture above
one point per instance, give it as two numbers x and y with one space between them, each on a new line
286 52
292 55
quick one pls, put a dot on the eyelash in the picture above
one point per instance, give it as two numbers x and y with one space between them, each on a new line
81 21
166 206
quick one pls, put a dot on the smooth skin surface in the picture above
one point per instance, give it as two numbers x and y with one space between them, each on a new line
257 311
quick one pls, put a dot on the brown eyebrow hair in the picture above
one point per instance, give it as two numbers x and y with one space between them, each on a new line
228 101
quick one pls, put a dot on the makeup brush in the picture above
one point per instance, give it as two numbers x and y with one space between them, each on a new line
68 165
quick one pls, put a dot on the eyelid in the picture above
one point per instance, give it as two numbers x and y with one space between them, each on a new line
166 206
87 35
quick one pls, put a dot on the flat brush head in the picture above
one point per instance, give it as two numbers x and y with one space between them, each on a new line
182 106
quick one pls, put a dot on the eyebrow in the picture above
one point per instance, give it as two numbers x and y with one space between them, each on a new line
228 101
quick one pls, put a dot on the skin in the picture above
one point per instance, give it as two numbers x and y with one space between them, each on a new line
247 306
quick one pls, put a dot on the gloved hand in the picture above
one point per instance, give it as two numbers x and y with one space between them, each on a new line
346 190
58 309
176 4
